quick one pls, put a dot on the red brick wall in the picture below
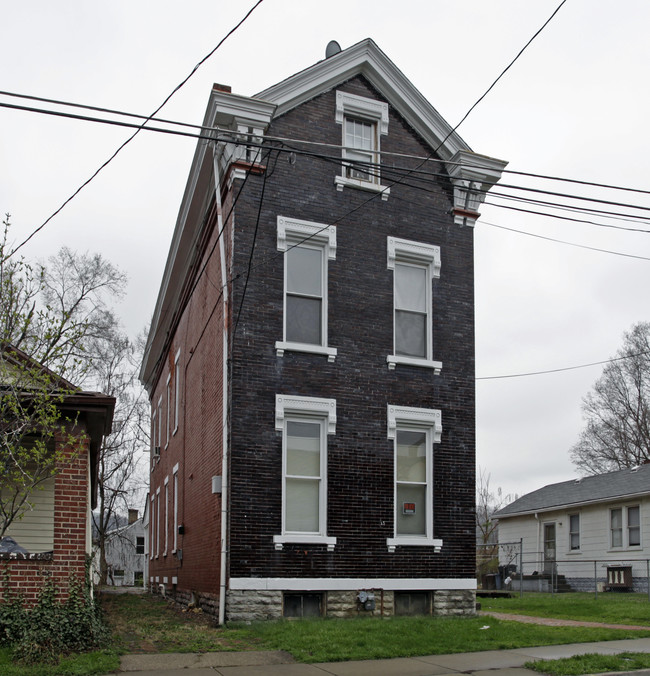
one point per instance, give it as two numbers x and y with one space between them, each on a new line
196 445
71 492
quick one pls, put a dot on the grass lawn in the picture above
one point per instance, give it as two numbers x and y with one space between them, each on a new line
591 663
329 640
608 607
143 623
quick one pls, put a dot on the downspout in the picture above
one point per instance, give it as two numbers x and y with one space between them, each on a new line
539 552
224 393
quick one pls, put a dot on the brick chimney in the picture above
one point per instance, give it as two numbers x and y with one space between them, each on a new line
133 516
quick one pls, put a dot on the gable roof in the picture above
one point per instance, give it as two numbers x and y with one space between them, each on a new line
613 486
365 58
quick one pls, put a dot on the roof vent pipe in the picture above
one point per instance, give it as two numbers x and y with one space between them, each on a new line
332 48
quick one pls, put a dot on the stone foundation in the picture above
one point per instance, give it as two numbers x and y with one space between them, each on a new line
251 605
454 602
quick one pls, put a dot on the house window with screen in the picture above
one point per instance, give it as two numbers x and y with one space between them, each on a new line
633 527
305 423
414 267
308 248
574 532
363 122
139 545
625 526
413 431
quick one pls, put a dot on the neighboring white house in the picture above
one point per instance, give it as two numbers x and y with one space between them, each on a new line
595 531
126 553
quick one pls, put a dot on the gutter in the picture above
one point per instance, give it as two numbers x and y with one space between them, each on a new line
224 394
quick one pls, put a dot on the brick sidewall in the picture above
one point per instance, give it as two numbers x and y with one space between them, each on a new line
68 558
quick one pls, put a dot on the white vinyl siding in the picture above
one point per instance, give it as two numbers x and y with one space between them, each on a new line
35 530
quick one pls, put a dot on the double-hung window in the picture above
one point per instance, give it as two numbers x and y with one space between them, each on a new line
574 532
625 527
305 423
413 431
308 248
414 267
363 121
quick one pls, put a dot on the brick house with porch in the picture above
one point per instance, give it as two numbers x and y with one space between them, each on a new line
311 357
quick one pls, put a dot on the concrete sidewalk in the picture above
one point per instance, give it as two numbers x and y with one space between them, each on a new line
275 663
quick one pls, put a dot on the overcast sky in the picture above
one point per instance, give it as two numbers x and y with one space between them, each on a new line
574 105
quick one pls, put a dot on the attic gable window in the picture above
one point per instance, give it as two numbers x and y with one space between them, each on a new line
363 121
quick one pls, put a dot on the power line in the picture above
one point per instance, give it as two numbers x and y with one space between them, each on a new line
566 368
128 140
561 241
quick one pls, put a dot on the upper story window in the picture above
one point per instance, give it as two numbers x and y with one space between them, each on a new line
177 389
414 266
305 423
364 121
308 247
414 431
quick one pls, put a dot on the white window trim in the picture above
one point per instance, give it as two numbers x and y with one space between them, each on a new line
154 456
369 110
293 231
429 420
177 390
166 514
157 521
160 421
168 394
317 409
625 528
151 526
175 475
426 255
579 547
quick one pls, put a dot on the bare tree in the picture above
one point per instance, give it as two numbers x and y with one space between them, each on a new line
49 317
488 502
617 410
121 477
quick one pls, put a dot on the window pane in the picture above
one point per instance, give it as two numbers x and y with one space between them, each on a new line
632 516
304 274
304 320
358 134
410 288
410 334
303 448
617 518
302 505
411 456
411 524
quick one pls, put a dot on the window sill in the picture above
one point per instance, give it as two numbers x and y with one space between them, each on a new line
414 542
342 181
281 347
280 540
394 359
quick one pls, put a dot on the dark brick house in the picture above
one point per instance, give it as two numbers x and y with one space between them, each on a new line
311 356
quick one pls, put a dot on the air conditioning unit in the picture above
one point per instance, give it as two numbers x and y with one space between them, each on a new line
156 450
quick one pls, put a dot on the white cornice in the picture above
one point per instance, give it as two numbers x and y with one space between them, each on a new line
366 59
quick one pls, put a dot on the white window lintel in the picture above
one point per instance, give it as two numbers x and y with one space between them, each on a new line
428 417
413 252
305 405
297 230
360 106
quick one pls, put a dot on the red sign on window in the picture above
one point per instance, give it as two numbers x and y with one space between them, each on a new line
409 508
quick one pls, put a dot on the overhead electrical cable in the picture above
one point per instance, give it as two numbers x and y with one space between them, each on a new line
128 140
566 368
561 241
